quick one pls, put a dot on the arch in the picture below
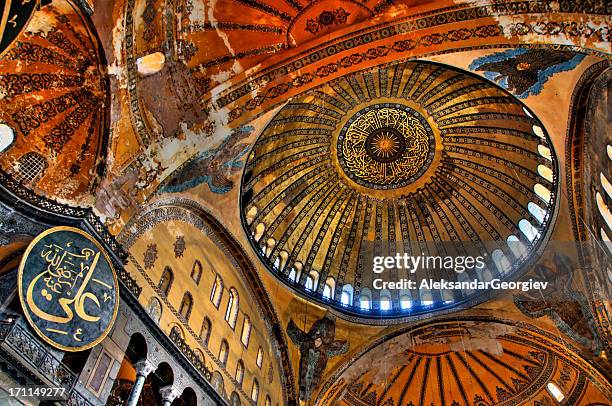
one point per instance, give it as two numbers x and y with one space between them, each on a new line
545 172
186 305
542 192
385 302
177 332
268 401
246 331
165 374
555 391
259 231
217 382
365 299
235 399
545 152
516 246
255 390
196 271
528 230
537 212
187 398
216 293
154 309
405 302
223 352
605 183
239 376
137 348
259 359
205 331
537 130
346 298
165 282
604 210
231 313
501 261
426 298
29 168
329 290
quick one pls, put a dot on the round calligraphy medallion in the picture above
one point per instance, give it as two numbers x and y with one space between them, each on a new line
386 146
68 289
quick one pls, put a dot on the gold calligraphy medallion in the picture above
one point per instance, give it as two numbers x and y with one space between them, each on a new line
68 289
386 146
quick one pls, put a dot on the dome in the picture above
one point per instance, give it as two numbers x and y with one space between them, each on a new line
413 157
468 362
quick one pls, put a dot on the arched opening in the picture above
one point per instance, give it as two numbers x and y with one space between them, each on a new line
187 398
196 272
223 352
260 356
151 63
216 292
166 281
155 309
205 331
231 313
255 391
7 137
365 300
239 372
186 306
246 332
235 399
385 301
346 298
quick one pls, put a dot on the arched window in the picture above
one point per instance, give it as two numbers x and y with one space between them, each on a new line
516 246
346 299
259 357
7 136
604 210
223 352
246 331
606 239
501 261
537 130
255 391
537 212
545 172
309 285
542 192
196 272
231 313
292 275
609 150
365 301
235 399
528 230
29 168
166 281
151 63
545 152
426 298
329 288
259 231
217 291
239 372
605 183
405 302
385 301
186 305
555 392
268 401
176 332
205 331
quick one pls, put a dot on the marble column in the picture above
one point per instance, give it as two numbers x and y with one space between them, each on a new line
168 393
143 369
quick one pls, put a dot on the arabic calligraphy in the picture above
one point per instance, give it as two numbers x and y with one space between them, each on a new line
386 146
68 288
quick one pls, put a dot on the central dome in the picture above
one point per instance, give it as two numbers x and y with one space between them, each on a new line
385 146
411 158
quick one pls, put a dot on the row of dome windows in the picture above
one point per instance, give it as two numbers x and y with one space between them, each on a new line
231 316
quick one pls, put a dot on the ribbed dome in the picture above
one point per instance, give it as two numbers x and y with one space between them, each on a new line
411 153
467 363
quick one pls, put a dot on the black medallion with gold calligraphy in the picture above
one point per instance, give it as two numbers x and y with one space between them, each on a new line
68 289
386 146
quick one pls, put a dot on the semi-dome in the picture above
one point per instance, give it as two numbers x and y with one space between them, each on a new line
398 158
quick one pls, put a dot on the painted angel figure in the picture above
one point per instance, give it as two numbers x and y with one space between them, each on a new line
316 347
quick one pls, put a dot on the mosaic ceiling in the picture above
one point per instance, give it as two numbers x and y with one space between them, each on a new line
468 362
413 152
54 97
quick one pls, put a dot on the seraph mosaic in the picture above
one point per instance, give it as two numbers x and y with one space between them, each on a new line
213 167
525 71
